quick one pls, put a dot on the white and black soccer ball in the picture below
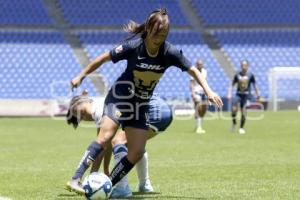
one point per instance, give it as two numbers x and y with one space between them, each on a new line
97 186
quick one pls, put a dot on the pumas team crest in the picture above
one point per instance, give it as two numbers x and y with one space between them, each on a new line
119 49
118 114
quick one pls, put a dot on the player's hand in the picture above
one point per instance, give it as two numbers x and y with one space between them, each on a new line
75 82
214 98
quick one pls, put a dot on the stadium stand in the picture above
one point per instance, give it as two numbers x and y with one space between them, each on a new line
25 12
264 49
225 12
117 12
174 83
43 57
36 65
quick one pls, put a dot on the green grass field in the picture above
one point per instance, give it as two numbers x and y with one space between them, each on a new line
38 156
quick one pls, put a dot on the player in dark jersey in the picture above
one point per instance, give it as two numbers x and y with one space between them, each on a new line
243 79
83 108
126 104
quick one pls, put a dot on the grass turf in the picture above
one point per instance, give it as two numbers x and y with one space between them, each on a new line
38 156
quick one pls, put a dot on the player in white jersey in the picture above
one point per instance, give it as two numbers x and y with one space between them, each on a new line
82 108
199 98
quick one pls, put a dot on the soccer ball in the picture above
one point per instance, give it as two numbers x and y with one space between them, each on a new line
97 186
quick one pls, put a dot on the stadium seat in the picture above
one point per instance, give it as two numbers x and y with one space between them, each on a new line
25 12
117 12
37 65
215 12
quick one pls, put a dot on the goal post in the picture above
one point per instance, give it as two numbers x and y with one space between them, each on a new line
283 82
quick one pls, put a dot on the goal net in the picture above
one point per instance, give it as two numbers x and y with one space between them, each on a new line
284 87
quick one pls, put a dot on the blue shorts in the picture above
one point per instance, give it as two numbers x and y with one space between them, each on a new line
131 111
160 114
240 99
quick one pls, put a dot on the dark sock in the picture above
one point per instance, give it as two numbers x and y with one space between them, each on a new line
120 170
243 120
87 159
233 115
119 148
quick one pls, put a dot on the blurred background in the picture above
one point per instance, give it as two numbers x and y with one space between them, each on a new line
45 43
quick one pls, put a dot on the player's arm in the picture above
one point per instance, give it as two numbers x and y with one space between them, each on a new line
212 96
231 86
255 87
175 57
192 88
90 68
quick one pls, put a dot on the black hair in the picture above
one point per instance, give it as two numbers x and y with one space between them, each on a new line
71 118
156 21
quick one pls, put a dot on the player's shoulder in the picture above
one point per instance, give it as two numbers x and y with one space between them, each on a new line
170 49
134 43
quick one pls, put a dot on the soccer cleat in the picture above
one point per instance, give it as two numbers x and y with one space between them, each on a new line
242 131
146 187
232 129
120 192
200 130
75 186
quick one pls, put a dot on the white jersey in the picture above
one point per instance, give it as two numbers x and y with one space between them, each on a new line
197 88
97 111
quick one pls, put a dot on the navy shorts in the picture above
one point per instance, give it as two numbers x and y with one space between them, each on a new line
160 114
240 99
131 111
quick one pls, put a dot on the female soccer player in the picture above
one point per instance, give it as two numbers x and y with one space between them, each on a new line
127 101
82 108
199 98
243 79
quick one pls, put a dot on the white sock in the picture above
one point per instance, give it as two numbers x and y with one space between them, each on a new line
199 122
142 169
124 181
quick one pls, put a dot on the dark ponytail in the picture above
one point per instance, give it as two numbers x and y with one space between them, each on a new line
70 117
157 18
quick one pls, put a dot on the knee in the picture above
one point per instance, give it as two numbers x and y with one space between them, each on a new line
135 155
234 110
105 136
117 140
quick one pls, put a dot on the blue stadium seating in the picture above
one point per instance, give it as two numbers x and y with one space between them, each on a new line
117 12
218 12
264 49
24 12
174 83
36 65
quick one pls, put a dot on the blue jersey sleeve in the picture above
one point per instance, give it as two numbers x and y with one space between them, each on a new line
122 52
176 58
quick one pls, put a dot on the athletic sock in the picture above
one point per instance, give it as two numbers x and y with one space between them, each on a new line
142 169
198 122
120 170
87 159
243 120
120 151
233 115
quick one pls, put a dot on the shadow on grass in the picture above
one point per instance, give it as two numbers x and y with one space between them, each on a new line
69 196
157 195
